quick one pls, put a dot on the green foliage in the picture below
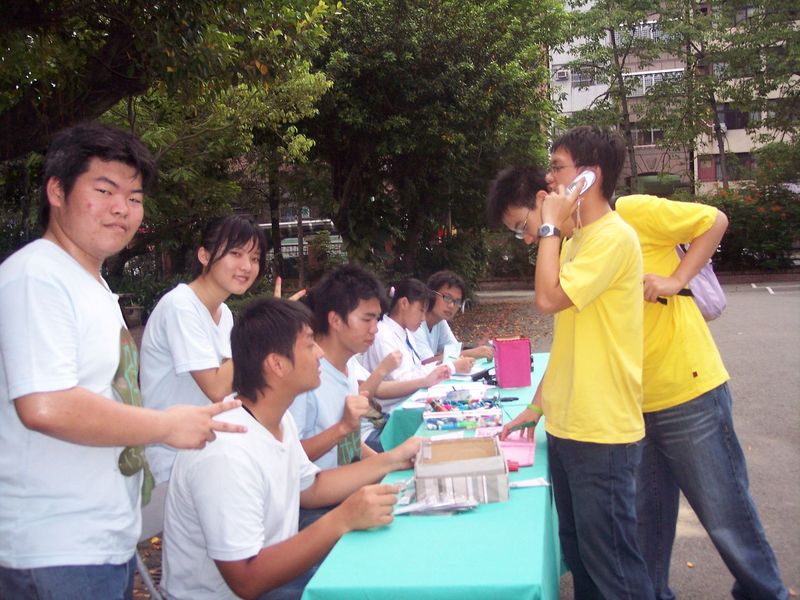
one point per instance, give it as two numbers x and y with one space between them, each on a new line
509 257
763 227
51 73
778 162
429 98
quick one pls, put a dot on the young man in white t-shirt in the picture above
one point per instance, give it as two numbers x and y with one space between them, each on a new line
71 461
449 293
231 522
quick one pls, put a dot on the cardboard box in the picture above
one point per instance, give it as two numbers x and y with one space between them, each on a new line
462 419
464 469
512 357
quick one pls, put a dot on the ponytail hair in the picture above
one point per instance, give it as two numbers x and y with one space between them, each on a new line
412 289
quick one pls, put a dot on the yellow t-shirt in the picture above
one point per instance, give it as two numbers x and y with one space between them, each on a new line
681 360
592 390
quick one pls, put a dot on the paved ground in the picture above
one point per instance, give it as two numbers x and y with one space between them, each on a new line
758 337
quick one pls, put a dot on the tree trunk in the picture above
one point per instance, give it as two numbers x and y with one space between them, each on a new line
626 115
273 194
301 268
720 138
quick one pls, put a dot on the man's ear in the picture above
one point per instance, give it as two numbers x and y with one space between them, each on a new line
276 364
55 192
335 322
539 198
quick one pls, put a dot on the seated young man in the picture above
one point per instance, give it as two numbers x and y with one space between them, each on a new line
347 304
334 419
231 515
449 291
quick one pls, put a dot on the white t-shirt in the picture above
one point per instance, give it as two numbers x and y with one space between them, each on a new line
390 337
319 409
180 337
430 342
239 494
60 503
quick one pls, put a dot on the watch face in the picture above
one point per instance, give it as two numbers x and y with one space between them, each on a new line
546 230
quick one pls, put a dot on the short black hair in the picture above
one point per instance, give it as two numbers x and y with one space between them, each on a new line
513 186
73 148
227 233
266 326
446 278
412 289
340 291
591 146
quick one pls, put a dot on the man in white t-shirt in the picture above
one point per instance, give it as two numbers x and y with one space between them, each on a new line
231 522
71 459
449 293
346 304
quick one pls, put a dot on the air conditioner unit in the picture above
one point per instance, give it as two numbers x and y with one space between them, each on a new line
562 74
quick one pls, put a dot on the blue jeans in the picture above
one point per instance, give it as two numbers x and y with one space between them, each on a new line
594 491
693 447
73 582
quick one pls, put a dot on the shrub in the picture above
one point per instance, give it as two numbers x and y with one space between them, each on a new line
764 222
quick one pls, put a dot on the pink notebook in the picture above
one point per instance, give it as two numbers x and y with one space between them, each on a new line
512 357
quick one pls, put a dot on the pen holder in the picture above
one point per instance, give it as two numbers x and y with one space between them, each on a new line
512 357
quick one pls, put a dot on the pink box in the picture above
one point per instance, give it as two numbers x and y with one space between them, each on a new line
512 357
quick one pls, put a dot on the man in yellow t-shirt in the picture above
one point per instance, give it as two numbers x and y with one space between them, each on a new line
591 393
690 443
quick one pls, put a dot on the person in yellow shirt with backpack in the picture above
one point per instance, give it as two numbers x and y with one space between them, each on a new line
690 444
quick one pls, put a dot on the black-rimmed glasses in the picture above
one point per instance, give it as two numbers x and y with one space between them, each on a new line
450 301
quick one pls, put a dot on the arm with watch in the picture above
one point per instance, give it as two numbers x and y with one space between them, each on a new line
525 422
550 298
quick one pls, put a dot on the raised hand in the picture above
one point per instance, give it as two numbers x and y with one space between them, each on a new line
355 407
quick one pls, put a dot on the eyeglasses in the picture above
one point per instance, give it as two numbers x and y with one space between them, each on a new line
449 300
556 168
519 232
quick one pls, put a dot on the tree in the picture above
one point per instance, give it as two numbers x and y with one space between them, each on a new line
66 61
761 64
207 81
428 97
610 39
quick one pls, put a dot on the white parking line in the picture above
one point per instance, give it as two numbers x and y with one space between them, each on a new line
777 287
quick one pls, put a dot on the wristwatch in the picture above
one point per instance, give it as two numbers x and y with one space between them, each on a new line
548 230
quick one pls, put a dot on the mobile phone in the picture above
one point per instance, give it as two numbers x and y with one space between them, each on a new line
583 181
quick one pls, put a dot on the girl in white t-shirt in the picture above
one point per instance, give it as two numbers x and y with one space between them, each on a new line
186 347
409 302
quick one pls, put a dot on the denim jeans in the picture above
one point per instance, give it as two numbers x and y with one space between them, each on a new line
693 447
73 582
594 491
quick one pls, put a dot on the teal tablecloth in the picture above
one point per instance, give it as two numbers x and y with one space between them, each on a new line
501 550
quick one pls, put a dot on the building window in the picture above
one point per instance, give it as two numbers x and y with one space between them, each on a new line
640 83
646 137
581 78
731 118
